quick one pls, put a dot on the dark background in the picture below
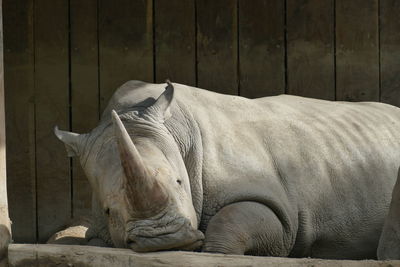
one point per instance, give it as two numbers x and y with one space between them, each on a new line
65 58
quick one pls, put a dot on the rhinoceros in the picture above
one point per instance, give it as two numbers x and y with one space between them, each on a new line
174 167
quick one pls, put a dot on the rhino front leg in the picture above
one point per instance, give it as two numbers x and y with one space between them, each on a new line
389 242
244 228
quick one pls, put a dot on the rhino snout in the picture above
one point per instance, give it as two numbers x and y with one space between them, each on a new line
185 238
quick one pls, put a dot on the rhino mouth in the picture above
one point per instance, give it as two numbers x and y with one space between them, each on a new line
176 234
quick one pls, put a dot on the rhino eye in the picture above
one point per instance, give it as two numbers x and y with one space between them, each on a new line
179 181
107 211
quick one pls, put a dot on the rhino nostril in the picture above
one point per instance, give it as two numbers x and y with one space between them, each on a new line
130 242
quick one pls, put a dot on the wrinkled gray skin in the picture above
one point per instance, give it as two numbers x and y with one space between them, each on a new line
279 176
389 242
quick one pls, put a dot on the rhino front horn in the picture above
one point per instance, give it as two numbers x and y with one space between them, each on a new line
145 194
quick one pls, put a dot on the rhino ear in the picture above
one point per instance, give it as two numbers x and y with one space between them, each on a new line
72 141
160 110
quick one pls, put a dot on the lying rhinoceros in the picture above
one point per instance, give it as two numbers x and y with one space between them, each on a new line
184 168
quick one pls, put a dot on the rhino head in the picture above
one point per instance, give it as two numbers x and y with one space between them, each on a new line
139 177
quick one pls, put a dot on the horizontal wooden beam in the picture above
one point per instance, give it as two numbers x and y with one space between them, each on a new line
61 255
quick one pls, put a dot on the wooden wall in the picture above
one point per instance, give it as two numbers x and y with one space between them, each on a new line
65 58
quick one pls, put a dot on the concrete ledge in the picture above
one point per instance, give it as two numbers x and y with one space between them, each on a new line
64 255
5 238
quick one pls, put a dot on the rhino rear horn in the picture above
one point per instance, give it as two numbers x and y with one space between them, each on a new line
144 192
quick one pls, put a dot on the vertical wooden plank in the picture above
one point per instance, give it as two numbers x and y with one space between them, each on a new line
5 225
125 43
217 45
262 47
390 51
175 41
52 108
310 48
20 117
84 89
357 55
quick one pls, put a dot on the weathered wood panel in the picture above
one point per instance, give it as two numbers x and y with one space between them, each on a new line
63 68
52 108
125 43
357 50
20 117
390 51
84 89
310 48
217 45
262 47
175 41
